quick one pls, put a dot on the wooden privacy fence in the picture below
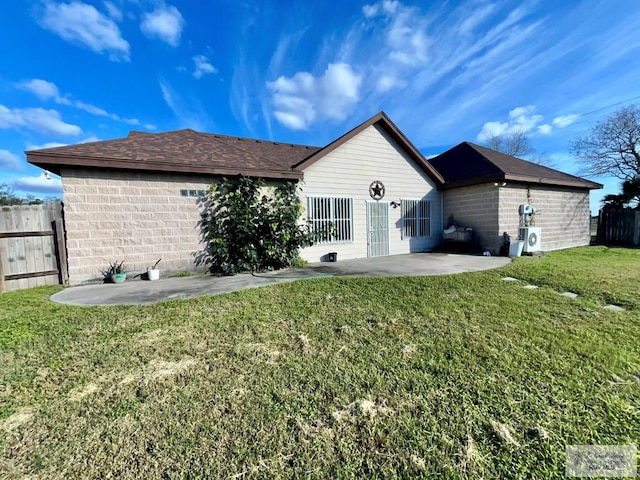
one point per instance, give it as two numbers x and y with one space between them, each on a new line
619 227
32 246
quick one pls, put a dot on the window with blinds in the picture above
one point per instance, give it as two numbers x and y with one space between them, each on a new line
416 218
331 218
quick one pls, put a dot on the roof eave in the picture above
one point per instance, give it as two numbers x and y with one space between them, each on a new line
578 183
525 179
499 177
54 164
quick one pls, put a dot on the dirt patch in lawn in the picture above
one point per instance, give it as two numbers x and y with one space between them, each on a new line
15 421
362 408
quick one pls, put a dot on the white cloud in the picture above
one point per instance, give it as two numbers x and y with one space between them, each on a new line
303 99
92 109
190 113
41 88
476 18
390 7
202 66
521 119
370 10
405 36
168 95
165 23
544 129
33 146
39 184
491 129
388 82
565 120
49 91
82 24
524 119
37 119
114 12
9 160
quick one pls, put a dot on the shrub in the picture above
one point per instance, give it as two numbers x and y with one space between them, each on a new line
246 230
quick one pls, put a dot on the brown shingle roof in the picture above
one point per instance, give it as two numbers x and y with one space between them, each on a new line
470 164
185 151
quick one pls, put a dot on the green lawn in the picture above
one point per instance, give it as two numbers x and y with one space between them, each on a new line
463 376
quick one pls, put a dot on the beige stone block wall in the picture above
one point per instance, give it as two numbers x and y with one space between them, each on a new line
135 217
475 206
563 214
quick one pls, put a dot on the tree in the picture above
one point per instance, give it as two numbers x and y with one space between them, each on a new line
517 144
8 197
612 148
629 198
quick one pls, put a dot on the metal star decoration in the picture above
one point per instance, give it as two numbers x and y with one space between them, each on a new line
376 190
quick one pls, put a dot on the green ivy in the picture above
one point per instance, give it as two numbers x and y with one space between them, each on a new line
248 230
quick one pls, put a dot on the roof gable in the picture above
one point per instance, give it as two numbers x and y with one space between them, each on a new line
470 164
381 120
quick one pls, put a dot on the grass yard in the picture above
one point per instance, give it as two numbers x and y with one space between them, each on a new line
464 376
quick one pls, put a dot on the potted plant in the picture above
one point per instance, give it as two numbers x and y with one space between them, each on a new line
115 273
152 272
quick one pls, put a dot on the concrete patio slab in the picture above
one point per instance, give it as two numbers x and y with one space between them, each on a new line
137 292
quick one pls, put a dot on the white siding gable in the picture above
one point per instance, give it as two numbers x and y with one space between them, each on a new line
348 171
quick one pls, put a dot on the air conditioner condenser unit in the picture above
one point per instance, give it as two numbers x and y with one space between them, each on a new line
532 239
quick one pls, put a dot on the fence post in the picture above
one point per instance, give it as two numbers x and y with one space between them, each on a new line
636 230
3 269
600 237
61 250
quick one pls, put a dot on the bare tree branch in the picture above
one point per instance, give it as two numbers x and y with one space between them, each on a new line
612 148
517 144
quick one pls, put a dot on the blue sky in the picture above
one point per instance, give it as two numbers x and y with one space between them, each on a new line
307 72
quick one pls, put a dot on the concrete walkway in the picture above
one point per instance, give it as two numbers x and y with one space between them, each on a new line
136 292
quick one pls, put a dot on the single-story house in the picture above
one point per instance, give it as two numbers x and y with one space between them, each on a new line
484 188
137 198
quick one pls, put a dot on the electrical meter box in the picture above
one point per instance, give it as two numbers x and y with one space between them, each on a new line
526 209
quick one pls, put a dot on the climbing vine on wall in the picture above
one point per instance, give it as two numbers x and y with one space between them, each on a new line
250 227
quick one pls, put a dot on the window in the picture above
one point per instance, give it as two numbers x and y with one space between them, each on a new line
416 218
331 218
193 193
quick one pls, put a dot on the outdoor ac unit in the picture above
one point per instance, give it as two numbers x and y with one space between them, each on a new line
532 238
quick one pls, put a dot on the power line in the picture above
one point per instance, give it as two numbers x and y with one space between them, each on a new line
580 115
608 106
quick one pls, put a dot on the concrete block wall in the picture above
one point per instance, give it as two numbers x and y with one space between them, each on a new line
475 206
563 214
135 217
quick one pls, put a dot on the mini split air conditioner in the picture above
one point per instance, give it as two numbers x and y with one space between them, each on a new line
532 238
